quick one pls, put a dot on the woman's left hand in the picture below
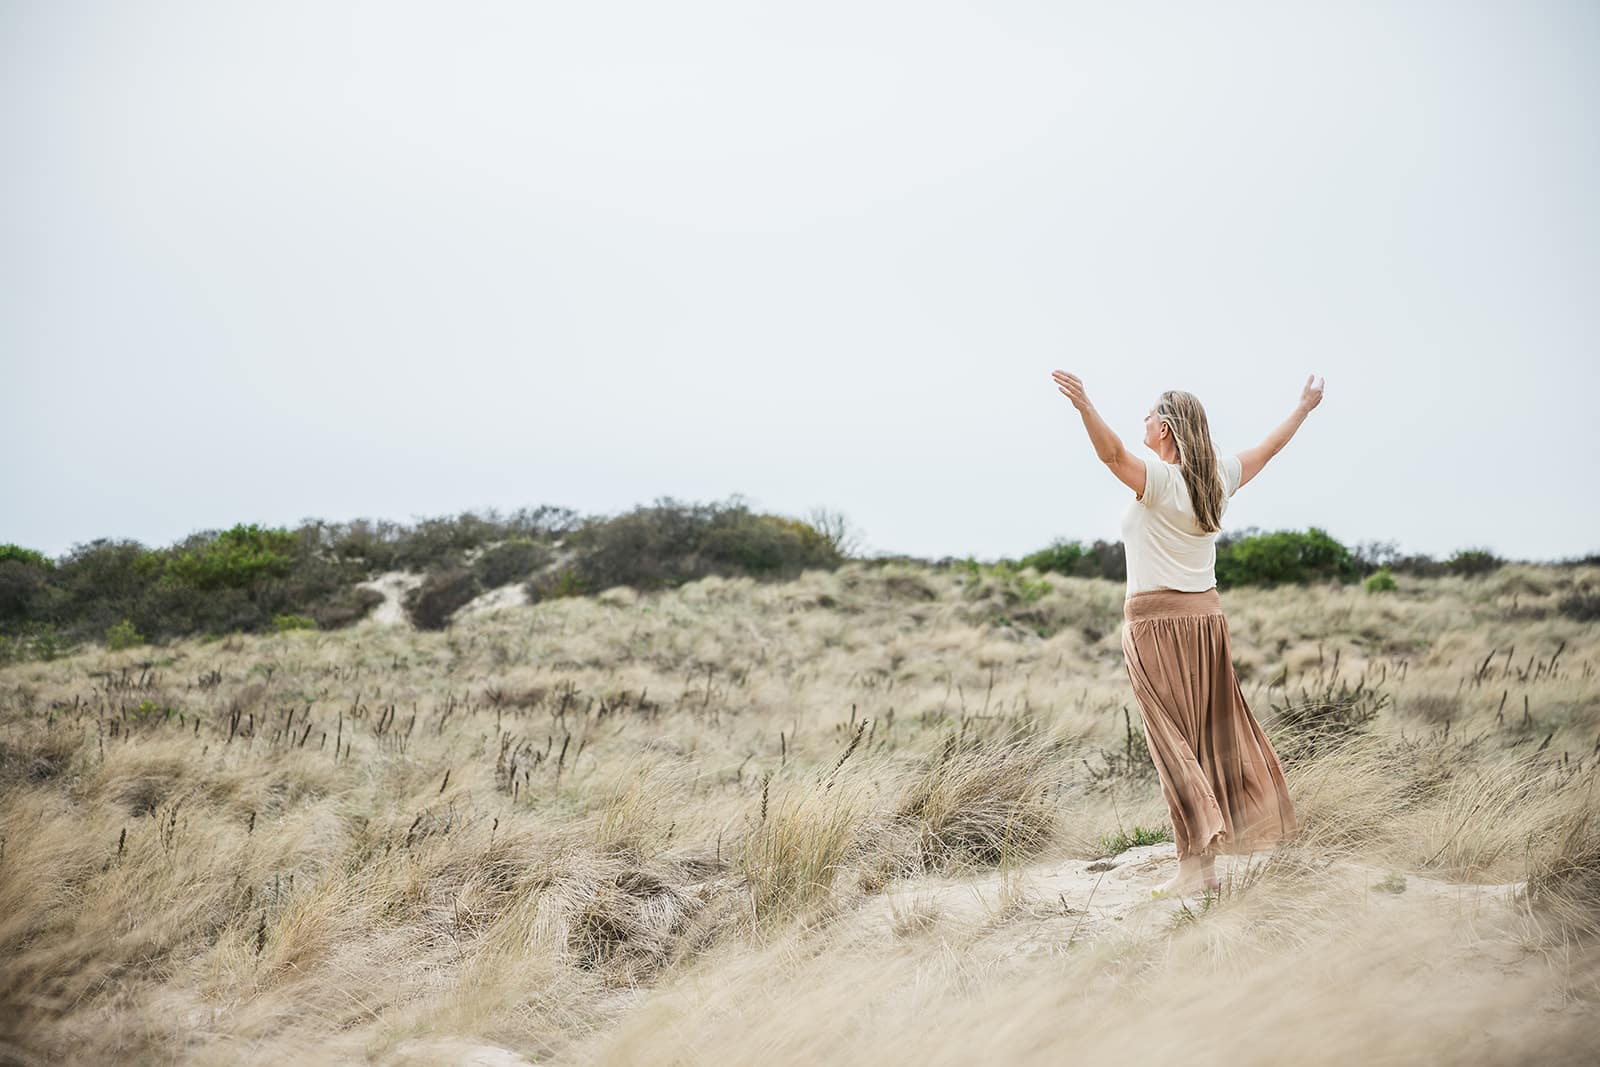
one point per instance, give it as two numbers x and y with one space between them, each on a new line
1072 387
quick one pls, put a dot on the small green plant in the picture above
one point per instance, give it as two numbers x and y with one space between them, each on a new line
1381 581
1393 882
1030 591
1122 840
1187 916
1009 577
285 623
561 582
149 709
122 635
47 643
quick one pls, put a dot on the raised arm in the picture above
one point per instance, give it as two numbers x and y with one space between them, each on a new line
1128 468
1251 460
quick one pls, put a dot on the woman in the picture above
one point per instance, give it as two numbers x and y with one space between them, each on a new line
1220 777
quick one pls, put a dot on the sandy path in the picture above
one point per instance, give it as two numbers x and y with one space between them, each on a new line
1078 900
393 586
1049 907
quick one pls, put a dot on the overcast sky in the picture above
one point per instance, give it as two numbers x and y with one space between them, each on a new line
271 261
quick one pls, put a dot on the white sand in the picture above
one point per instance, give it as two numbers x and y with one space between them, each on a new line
394 586
507 596
1085 899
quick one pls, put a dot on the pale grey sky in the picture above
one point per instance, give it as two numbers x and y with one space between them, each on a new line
269 261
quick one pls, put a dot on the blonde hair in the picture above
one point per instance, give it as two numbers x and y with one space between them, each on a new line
1197 455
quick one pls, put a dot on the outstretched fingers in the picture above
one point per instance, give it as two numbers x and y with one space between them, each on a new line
1069 385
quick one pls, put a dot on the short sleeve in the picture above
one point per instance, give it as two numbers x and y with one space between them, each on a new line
1156 476
1232 470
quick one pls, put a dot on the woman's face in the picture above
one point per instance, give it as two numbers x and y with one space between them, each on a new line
1152 431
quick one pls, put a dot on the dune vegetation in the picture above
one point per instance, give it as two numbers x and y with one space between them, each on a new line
881 813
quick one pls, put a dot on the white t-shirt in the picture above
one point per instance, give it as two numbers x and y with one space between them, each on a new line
1163 543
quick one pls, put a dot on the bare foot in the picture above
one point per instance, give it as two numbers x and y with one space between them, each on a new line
1195 874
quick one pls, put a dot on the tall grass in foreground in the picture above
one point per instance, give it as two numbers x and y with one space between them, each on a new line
661 829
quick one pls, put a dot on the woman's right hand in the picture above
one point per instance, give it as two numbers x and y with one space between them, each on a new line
1311 396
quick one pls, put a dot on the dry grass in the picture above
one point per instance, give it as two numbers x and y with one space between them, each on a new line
652 829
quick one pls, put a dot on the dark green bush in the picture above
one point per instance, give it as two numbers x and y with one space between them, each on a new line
1473 561
346 607
668 543
765 545
1063 557
233 559
1370 556
1102 559
510 561
1582 604
1420 564
373 546
440 543
435 544
1283 556
24 587
97 585
441 593
242 579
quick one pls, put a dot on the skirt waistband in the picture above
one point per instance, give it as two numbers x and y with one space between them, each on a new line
1169 603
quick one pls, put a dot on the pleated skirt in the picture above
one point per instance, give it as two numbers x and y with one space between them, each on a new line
1220 777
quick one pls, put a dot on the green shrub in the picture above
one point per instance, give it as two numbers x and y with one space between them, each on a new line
122 635
285 623
241 579
439 544
347 606
24 588
98 584
667 544
1283 556
44 641
765 545
1102 559
27 556
1582 604
1062 557
558 583
373 546
1005 577
441 593
1381 581
1473 561
511 561
234 559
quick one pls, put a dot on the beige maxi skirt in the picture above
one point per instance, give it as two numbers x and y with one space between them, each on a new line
1219 775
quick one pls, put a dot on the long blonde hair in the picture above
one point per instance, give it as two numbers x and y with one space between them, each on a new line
1197 455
